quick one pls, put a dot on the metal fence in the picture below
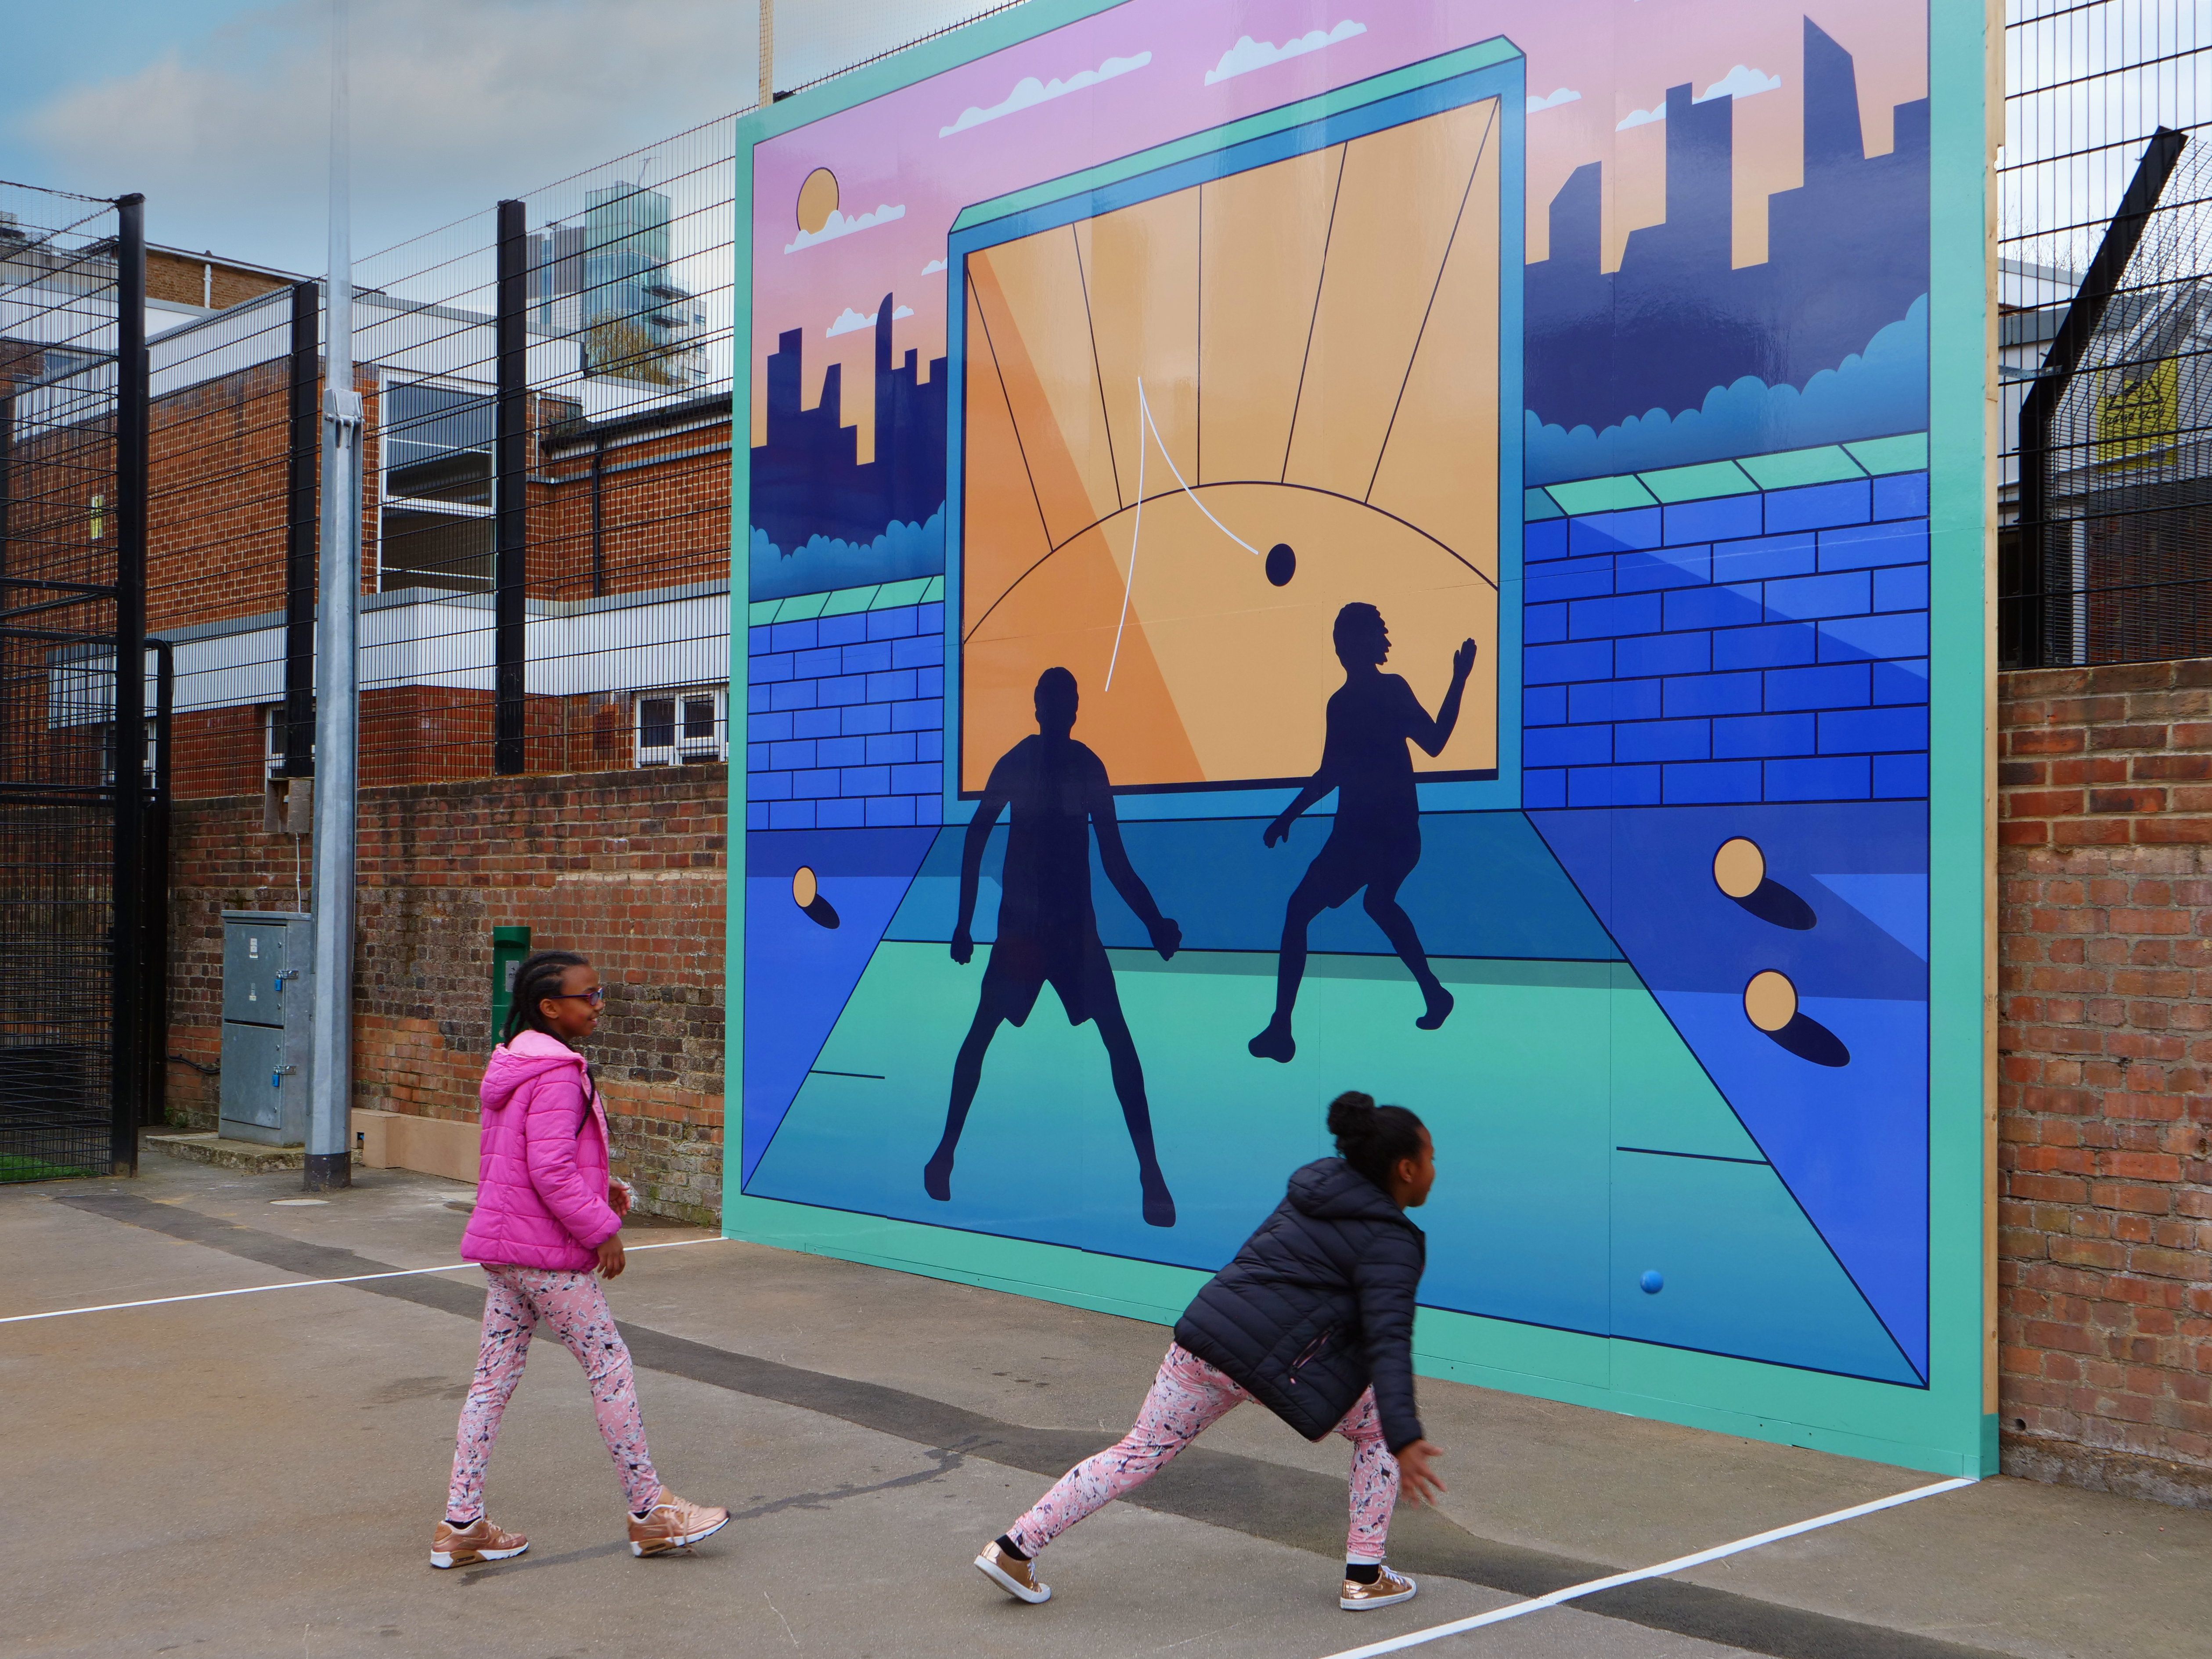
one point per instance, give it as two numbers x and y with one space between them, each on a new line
79 759
2105 282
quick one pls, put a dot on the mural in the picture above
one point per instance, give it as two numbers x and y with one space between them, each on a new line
1216 460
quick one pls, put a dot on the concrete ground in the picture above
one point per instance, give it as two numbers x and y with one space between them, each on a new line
259 1474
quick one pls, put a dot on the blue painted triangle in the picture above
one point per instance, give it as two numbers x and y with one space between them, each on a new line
799 972
1896 904
1849 1142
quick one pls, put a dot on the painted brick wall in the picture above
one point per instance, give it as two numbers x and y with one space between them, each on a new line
1764 646
845 720
626 868
2106 1040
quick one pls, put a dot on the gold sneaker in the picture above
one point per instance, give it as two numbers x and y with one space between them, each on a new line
674 1523
1387 1591
480 1540
1017 1578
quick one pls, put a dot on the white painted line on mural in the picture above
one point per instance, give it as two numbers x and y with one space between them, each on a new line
1664 1570
304 1284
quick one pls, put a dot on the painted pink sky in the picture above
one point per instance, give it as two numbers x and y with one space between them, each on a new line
1619 55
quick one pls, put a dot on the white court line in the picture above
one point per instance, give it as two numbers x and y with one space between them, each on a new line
1665 1569
1137 530
307 1285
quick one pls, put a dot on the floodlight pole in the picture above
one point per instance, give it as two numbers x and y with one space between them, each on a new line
329 1157
767 53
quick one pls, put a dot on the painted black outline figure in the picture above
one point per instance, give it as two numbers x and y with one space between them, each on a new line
1376 838
1058 793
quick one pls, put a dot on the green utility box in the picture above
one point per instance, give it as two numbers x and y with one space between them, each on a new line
509 945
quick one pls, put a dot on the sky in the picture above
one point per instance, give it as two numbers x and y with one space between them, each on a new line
219 112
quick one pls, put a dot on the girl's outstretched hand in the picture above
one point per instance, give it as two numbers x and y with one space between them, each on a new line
610 1265
1417 1477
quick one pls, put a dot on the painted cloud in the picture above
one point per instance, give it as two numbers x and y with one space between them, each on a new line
932 267
1248 54
1563 95
852 320
1029 91
839 225
1741 81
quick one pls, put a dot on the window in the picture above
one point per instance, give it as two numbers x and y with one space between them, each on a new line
435 527
107 752
683 728
272 737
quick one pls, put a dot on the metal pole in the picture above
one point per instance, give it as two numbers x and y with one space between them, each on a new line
127 1077
510 500
305 433
767 53
329 1164
155 983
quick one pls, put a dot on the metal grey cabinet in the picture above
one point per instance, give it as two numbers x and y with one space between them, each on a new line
267 956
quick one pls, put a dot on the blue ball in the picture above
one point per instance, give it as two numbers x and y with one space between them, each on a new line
1652 1282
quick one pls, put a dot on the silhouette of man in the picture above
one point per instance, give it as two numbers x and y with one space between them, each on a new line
1047 933
1377 840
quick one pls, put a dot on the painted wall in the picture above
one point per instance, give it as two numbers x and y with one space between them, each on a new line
1294 549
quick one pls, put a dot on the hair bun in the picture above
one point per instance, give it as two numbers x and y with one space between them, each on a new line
1350 1113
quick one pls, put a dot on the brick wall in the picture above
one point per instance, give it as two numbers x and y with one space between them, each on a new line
2106 1043
626 868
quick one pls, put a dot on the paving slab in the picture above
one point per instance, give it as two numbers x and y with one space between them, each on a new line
271 1464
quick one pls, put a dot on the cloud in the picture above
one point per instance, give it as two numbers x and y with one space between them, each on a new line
932 267
1029 91
439 135
1563 95
839 225
1741 81
852 322
1248 54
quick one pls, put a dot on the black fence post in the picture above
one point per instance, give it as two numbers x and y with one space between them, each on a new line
510 499
128 1071
305 438
2041 561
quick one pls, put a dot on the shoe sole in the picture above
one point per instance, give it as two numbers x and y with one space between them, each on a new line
1012 1586
470 1557
685 1542
1368 1604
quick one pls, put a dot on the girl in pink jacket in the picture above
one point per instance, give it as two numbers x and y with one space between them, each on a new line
547 1214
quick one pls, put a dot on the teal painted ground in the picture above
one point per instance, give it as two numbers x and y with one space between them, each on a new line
1545 1070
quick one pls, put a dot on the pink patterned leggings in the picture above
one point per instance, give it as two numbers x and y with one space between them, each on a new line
575 1307
1188 1397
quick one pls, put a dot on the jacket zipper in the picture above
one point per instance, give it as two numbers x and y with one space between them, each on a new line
1311 1349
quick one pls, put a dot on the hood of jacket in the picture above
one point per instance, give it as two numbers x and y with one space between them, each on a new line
531 1055
1329 1189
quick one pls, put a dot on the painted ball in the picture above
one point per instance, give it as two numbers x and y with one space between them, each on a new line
1652 1281
1282 564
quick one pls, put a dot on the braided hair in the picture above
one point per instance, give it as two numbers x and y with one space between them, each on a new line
539 977
1371 1138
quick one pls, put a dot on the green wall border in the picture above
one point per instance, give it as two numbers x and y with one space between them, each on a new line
1948 1428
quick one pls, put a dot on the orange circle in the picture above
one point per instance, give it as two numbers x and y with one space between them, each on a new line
818 200
1739 867
803 887
1770 1001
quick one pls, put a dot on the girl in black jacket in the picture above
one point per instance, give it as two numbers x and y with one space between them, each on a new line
1314 1319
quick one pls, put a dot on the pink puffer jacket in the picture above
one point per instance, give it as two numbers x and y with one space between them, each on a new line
542 1172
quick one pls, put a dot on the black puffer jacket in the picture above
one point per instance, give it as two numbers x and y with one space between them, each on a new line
1318 1305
